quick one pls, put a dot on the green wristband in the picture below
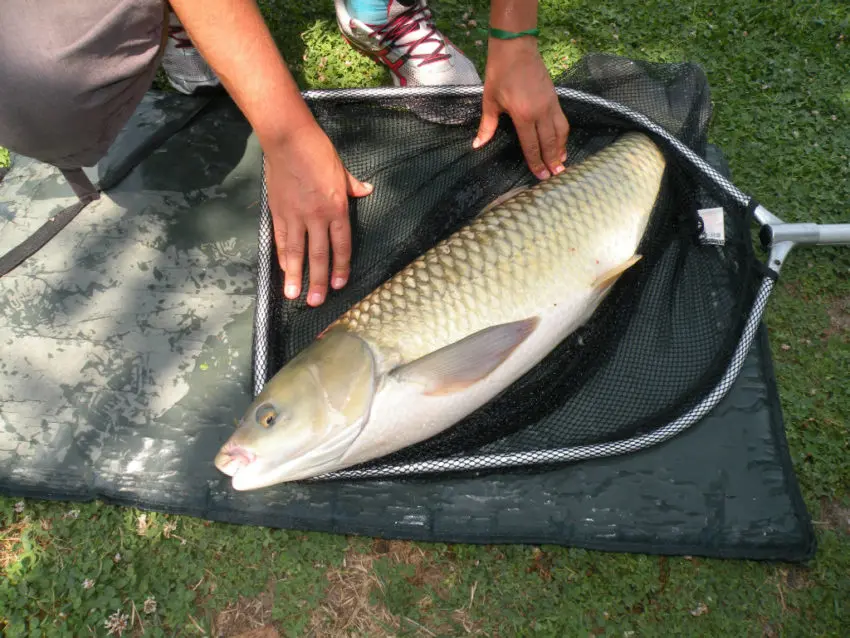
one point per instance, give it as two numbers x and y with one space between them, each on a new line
501 34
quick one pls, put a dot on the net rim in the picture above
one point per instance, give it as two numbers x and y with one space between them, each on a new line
478 462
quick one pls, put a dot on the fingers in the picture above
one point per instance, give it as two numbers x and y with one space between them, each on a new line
356 188
340 231
562 131
530 142
488 125
550 151
544 142
319 257
294 258
553 142
279 226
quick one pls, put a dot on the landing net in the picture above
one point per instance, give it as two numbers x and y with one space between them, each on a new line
662 349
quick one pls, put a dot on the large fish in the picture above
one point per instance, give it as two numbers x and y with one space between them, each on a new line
454 328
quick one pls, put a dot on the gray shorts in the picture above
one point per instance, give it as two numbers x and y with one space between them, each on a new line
72 72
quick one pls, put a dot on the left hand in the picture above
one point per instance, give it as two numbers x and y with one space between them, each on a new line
518 83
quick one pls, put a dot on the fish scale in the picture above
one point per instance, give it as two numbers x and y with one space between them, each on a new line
513 257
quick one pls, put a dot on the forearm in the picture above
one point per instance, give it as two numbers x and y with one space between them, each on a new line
234 40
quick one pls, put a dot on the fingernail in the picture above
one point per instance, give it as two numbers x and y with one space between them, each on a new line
559 169
368 186
338 282
564 156
314 298
476 143
544 174
291 291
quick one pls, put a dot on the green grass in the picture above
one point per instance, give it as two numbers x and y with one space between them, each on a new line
781 88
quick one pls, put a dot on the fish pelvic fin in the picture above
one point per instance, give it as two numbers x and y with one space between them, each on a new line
465 362
609 276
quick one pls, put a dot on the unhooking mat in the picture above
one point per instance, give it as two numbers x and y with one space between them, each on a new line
126 360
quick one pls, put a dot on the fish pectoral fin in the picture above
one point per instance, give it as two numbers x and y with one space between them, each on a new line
609 276
503 198
465 362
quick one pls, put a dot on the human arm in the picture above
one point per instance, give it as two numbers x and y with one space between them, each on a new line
308 186
517 82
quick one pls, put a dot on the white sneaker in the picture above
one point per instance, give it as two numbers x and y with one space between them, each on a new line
186 69
409 45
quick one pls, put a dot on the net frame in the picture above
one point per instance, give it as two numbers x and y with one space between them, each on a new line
778 245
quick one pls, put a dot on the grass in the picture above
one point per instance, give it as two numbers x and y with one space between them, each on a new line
778 73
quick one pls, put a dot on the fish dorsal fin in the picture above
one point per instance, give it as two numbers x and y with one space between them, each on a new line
503 198
609 276
463 363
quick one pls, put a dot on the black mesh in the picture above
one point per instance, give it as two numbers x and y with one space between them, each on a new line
657 346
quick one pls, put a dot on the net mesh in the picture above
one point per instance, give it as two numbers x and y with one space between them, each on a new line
657 346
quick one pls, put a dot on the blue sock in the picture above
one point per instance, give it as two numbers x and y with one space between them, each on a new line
368 11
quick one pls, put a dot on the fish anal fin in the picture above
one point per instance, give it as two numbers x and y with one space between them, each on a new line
610 275
463 363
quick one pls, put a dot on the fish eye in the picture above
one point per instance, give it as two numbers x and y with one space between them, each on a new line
266 415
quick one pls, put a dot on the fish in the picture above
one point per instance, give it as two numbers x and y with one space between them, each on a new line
454 328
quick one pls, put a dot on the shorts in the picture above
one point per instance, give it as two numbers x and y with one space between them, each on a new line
73 72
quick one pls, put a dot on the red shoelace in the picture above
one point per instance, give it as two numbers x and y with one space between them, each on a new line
406 23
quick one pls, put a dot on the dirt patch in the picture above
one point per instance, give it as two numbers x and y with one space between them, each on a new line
247 617
839 317
769 629
349 610
11 540
835 516
796 578
10 544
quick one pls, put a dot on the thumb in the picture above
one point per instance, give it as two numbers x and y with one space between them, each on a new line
356 188
489 123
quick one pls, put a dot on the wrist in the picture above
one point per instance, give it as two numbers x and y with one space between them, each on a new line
511 48
284 129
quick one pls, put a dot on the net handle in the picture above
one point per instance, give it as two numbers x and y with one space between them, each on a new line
807 234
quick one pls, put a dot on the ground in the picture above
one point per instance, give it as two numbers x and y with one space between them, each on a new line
778 73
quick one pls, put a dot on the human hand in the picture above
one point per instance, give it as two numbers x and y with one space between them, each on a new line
517 82
308 189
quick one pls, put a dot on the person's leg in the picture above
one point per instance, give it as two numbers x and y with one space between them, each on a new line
73 73
402 35
185 68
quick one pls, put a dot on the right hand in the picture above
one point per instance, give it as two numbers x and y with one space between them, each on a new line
308 189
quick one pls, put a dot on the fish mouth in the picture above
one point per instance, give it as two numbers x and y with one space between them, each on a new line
233 458
264 472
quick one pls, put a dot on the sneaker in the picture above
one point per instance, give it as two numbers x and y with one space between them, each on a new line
186 69
409 45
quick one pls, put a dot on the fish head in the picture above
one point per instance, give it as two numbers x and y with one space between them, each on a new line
306 416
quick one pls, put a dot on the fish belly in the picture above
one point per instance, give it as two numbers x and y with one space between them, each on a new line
402 415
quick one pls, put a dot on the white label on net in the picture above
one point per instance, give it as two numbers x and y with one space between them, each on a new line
713 226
